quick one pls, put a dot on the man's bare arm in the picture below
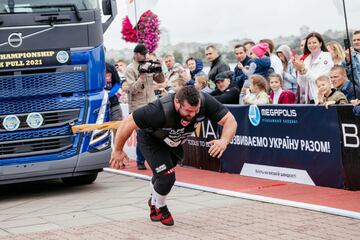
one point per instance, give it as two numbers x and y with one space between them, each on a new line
124 131
229 129
230 125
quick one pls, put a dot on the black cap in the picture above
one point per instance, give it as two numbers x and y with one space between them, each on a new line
223 75
140 48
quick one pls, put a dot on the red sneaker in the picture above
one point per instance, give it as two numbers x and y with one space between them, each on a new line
165 216
153 213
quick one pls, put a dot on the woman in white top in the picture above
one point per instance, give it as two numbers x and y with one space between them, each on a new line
318 63
337 52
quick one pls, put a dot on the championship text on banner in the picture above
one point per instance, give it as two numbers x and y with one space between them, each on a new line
34 59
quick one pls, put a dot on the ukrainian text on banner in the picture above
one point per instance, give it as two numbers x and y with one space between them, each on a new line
290 143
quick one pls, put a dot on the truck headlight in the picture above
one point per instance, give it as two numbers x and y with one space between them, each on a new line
99 135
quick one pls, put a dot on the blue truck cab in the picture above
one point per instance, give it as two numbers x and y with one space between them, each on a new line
52 76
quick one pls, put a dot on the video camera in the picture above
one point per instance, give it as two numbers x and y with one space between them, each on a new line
149 67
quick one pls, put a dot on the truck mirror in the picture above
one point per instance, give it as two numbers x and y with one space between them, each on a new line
106 7
109 8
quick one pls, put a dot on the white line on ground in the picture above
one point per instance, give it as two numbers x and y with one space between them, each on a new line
313 207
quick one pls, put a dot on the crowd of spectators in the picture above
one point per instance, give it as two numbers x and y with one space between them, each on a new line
264 73
323 74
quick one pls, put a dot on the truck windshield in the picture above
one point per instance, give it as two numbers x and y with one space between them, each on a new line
26 6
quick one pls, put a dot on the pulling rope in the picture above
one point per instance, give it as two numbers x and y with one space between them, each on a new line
92 127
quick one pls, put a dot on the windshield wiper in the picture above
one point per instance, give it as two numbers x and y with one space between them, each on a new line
52 18
71 6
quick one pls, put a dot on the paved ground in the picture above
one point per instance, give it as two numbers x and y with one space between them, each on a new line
323 197
115 208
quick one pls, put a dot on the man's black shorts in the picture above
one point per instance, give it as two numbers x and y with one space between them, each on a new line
160 157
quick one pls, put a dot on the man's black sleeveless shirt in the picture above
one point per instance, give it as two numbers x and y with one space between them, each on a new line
160 119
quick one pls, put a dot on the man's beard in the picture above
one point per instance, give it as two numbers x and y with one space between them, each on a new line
187 118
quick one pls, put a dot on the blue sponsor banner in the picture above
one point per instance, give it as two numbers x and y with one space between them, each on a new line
350 135
197 146
291 143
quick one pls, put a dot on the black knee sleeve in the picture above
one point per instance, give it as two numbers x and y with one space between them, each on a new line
164 183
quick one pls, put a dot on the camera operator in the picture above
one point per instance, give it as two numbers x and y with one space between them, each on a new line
140 75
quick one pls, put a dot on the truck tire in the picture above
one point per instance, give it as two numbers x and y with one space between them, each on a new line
80 180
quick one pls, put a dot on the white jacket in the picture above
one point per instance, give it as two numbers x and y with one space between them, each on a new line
276 64
319 67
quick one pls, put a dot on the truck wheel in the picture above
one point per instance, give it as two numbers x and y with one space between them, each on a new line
80 180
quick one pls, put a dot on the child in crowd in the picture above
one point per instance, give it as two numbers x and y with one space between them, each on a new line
262 62
327 95
178 83
278 95
260 66
257 93
289 73
123 93
201 84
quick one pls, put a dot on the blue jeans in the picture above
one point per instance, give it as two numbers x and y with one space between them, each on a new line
139 157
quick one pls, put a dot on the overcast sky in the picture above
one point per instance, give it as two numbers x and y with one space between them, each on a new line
221 21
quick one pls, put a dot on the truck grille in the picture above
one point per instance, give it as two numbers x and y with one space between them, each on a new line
32 147
58 94
56 123
38 84
41 133
39 104
51 119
